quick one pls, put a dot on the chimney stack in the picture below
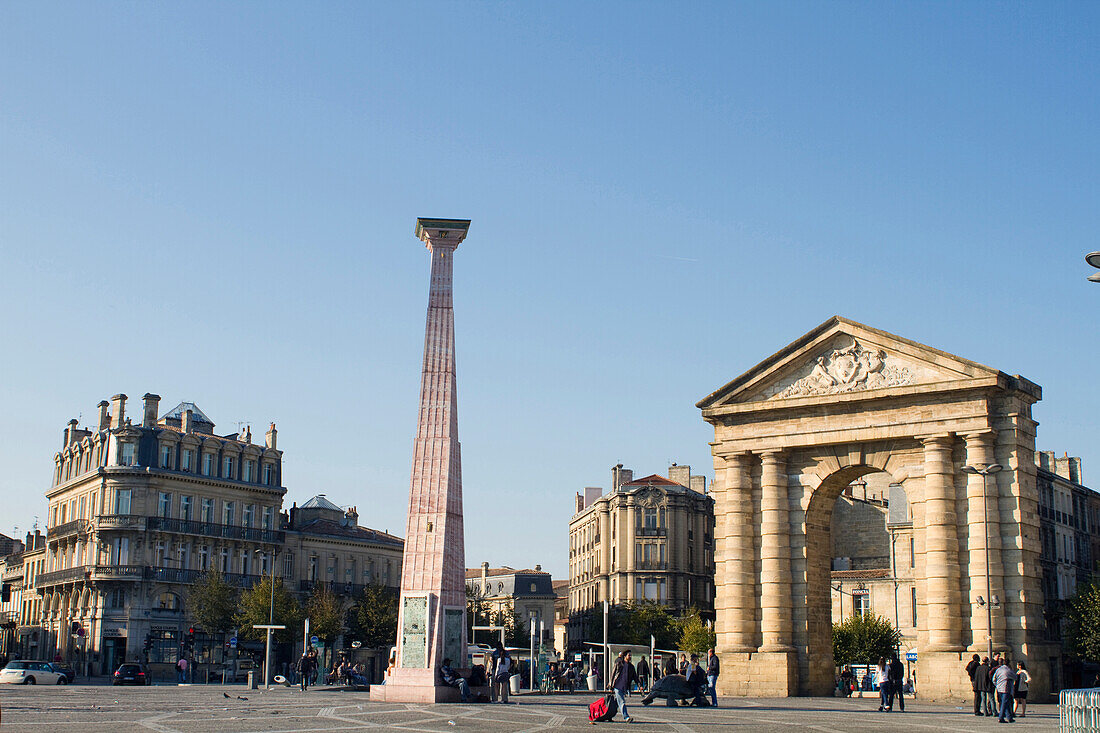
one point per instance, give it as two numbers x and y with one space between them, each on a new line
680 474
272 438
152 406
70 433
579 505
484 573
118 411
186 420
104 416
538 568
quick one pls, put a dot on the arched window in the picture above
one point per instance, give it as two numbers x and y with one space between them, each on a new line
168 601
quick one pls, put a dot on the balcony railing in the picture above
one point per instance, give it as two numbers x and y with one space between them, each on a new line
175 575
209 529
57 577
136 572
120 521
650 531
651 565
77 526
346 589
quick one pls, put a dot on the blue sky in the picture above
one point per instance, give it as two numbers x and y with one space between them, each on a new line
215 202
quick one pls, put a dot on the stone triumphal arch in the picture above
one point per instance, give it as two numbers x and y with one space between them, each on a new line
846 400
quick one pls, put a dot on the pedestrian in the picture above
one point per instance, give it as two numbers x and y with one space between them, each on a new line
1023 679
713 670
982 676
683 664
181 670
895 676
623 676
1005 679
994 665
847 684
501 672
975 683
643 674
302 669
881 683
697 678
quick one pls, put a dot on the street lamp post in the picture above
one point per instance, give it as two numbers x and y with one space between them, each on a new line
985 473
1093 258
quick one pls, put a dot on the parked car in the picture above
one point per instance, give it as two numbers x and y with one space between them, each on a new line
25 672
65 669
132 673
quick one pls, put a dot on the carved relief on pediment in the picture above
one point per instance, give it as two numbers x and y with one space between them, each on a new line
849 369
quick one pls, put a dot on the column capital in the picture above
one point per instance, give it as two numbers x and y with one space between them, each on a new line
738 458
980 436
773 455
943 440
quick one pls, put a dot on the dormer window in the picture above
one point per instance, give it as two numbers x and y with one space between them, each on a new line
166 456
127 457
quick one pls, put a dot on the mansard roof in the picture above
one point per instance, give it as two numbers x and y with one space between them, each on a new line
354 533
653 480
320 502
197 415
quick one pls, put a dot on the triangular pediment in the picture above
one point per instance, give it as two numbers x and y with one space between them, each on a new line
843 357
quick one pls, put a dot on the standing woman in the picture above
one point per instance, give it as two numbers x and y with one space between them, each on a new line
1023 677
882 683
502 671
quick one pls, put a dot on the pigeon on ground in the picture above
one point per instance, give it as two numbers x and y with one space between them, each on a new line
225 695
241 698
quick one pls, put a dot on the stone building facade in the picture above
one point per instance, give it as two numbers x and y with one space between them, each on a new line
792 433
650 539
529 593
139 511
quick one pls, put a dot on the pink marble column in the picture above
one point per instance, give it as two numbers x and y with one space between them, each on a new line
433 575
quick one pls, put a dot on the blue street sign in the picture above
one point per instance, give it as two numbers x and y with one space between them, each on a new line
314 641
910 656
233 642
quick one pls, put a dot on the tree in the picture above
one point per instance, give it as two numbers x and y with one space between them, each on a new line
695 636
635 621
863 639
327 614
1082 623
373 618
213 602
515 626
477 610
254 608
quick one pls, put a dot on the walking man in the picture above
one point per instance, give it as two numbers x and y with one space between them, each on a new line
982 678
623 676
643 674
895 677
1005 681
975 683
713 670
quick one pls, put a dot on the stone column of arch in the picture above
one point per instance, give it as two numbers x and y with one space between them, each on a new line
735 557
941 547
979 506
775 554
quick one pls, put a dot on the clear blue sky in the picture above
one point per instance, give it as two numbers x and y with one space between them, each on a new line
215 202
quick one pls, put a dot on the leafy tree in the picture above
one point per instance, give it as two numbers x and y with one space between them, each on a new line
327 614
255 607
213 602
373 618
477 610
695 636
863 639
1082 623
635 621
515 626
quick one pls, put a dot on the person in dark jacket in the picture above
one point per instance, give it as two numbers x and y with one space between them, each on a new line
985 686
975 682
643 674
713 670
895 677
622 677
670 664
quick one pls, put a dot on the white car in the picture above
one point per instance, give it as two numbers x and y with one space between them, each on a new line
22 672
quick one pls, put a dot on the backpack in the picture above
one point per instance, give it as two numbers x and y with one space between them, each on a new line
603 710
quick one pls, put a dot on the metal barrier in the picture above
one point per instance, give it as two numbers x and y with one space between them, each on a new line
1079 711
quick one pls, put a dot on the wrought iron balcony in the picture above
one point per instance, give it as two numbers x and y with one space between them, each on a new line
119 521
651 565
75 527
340 589
59 577
209 529
650 531
176 575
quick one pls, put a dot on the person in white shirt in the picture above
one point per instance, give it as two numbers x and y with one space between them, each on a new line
1023 677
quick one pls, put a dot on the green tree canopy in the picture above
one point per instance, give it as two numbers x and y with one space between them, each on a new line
864 639
254 608
477 610
373 618
213 602
635 621
1082 623
327 614
695 636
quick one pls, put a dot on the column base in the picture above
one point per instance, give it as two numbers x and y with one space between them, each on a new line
417 686
939 676
758 674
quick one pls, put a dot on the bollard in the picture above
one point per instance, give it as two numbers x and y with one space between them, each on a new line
251 679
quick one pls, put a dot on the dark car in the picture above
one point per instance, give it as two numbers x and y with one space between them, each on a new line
132 674
65 669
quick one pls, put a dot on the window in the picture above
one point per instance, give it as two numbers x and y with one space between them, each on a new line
246 562
204 557
225 560
207 515
269 516
249 470
164 505
227 512
80 508
651 517
288 565
116 598
168 602
122 501
861 600
228 467
166 456
207 464
268 474
185 508
912 552
127 458
313 568
158 559
187 456
249 511
913 598
120 551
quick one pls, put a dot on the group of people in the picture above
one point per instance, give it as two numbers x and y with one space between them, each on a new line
498 676
998 686
625 676
306 668
887 678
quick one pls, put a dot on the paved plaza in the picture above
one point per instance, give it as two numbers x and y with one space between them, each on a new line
200 708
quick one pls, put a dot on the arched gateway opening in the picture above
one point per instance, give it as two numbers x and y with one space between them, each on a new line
794 433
